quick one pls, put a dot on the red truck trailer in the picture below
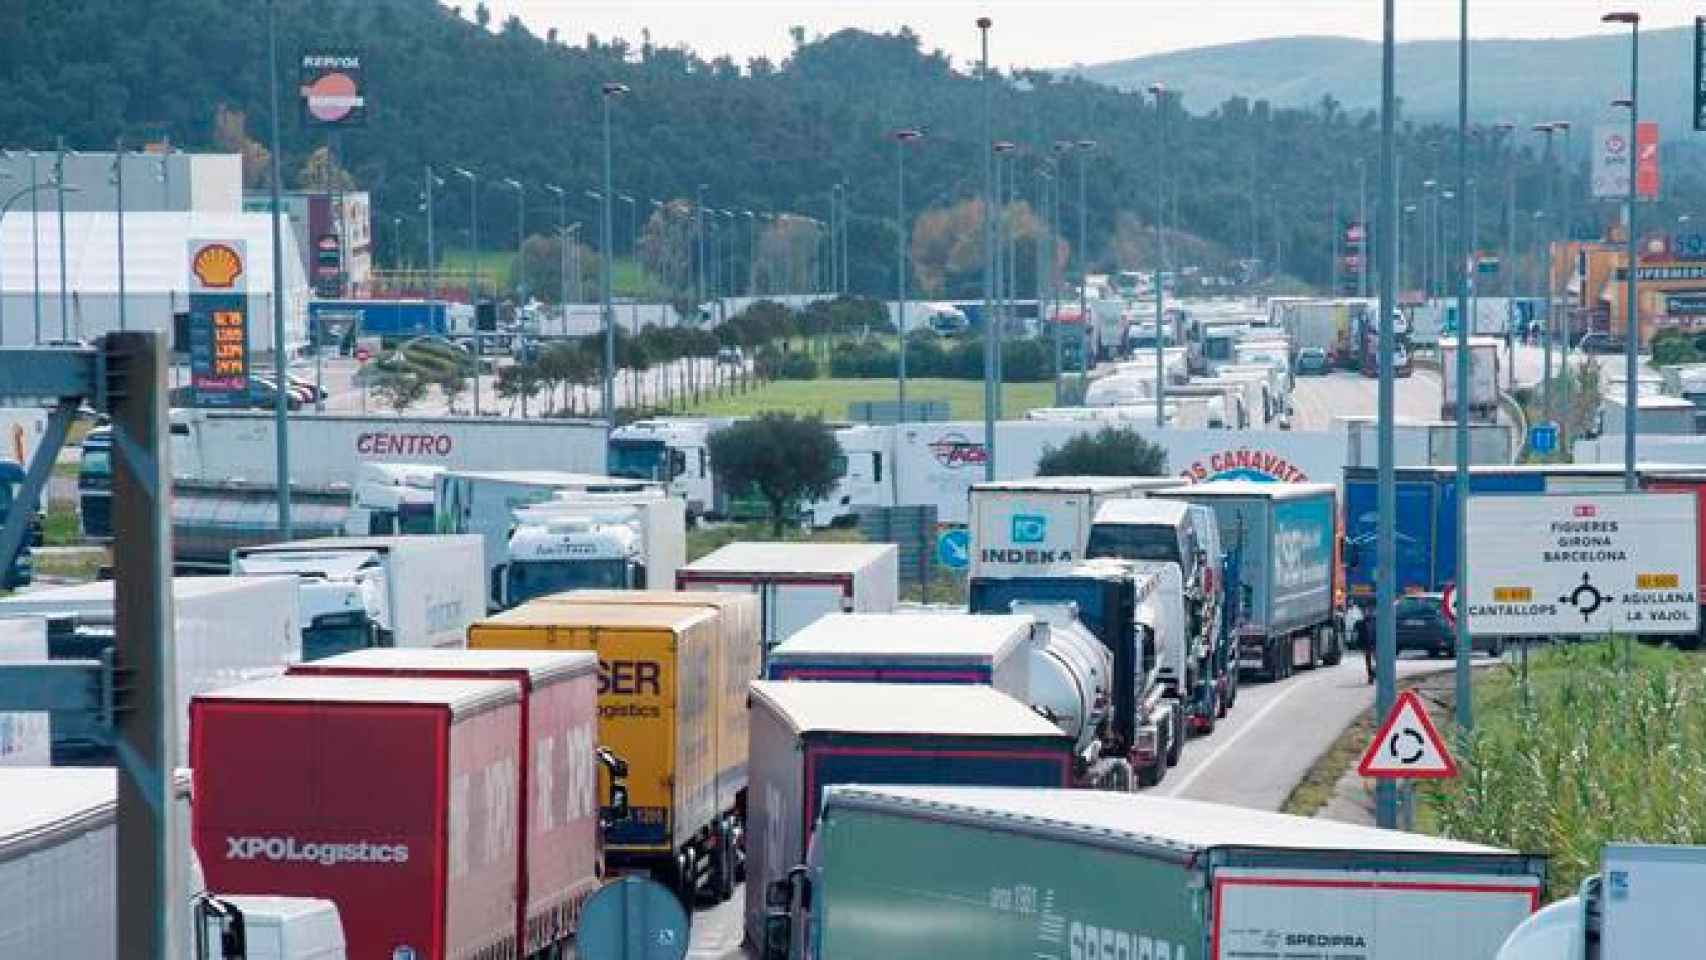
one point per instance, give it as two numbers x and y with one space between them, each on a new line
396 799
558 853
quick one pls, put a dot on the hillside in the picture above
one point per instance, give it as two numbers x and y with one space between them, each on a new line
1522 80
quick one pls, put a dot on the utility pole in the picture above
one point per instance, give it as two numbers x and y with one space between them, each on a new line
1543 259
431 250
989 324
281 393
1466 326
902 235
1159 91
1632 316
1386 643
610 90
474 277
59 193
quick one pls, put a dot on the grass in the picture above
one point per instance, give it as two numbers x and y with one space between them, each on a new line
707 538
60 528
72 565
1611 746
830 398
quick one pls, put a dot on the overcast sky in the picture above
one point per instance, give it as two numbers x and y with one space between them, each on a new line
1045 33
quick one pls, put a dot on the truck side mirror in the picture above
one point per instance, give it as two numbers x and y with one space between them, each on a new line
617 809
219 930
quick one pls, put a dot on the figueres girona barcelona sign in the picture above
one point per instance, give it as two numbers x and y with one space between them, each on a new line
1244 463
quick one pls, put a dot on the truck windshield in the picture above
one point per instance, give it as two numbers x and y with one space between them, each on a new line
415 518
535 578
1120 541
639 459
95 469
329 640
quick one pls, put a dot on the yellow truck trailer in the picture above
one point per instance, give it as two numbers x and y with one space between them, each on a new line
658 705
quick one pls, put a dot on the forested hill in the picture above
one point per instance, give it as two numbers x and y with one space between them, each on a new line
446 87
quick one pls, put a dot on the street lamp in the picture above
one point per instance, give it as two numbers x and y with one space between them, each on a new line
989 332
1427 250
60 154
1159 92
1631 317
1004 151
427 206
751 252
611 91
30 191
474 275
520 240
1543 270
902 138
281 408
1506 128
562 249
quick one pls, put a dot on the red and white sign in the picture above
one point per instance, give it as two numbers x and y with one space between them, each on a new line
1448 604
1612 160
361 355
1407 746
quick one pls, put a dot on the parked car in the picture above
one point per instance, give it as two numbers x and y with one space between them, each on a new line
1422 626
1600 343
1312 361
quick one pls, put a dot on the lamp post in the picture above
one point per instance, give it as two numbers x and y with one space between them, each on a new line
902 235
835 226
1632 316
427 205
118 188
59 194
1004 151
1543 273
1159 92
1505 128
520 240
751 252
1466 326
633 257
1362 225
699 240
989 332
474 275
611 90
1045 262
35 246
1056 279
1409 210
562 249
281 399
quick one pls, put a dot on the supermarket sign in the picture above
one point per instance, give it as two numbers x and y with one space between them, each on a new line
1582 564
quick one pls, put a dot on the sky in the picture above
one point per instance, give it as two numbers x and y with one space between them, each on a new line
1054 33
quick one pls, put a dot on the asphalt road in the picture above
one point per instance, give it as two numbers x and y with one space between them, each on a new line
1342 393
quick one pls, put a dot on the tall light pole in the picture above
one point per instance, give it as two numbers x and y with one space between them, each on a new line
281 397
1553 292
846 227
989 331
1045 263
699 239
1159 92
634 258
1363 259
1543 261
520 241
1004 150
751 252
35 245
59 194
1386 642
118 185
1061 149
1427 247
902 236
427 205
1632 316
734 230
1466 326
1506 128
610 90
835 279
474 275
562 248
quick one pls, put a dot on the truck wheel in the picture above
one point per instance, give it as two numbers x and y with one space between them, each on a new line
1216 710
1176 746
1149 776
1335 648
1232 682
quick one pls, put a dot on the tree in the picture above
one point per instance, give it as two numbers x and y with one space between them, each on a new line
400 388
1110 452
519 381
787 459
452 384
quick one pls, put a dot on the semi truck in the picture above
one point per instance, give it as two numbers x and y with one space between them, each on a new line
913 648
1641 904
59 864
396 799
392 320
1005 874
225 630
1281 539
596 541
1483 378
1022 528
390 499
485 501
1117 602
557 824
797 583
664 708
807 737
360 592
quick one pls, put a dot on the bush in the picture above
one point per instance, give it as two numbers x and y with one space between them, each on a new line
1110 452
862 361
795 366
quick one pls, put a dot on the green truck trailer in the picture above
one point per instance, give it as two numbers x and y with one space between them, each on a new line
1038 874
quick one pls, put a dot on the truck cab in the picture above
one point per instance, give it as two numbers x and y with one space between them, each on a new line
390 499
340 597
671 451
1152 530
554 555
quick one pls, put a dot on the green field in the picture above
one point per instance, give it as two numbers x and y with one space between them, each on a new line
829 398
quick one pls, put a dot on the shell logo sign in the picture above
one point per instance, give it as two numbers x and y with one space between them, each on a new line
217 266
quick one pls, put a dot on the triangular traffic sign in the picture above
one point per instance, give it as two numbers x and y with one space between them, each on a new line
1407 747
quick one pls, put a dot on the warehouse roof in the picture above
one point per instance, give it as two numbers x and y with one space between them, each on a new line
856 635
1181 825
906 709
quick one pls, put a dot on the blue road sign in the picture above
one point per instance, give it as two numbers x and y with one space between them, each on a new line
1543 437
633 919
953 549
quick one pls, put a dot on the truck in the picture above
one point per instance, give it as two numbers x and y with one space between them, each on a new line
485 501
1424 443
1638 905
391 498
1007 875
59 858
797 583
1654 415
1483 378
1022 528
1282 541
391 320
607 541
1116 602
1329 325
225 630
396 799
662 705
557 825
674 451
329 448
358 592
913 648
807 737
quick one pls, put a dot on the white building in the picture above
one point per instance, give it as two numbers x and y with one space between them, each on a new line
156 274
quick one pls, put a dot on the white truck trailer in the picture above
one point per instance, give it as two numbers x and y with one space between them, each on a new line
226 630
593 542
1022 528
358 592
1483 378
799 582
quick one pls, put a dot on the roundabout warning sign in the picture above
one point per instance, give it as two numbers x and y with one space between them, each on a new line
1582 564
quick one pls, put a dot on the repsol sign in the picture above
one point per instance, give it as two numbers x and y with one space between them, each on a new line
391 443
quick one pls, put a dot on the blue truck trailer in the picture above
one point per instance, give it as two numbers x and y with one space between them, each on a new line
388 319
1426 518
